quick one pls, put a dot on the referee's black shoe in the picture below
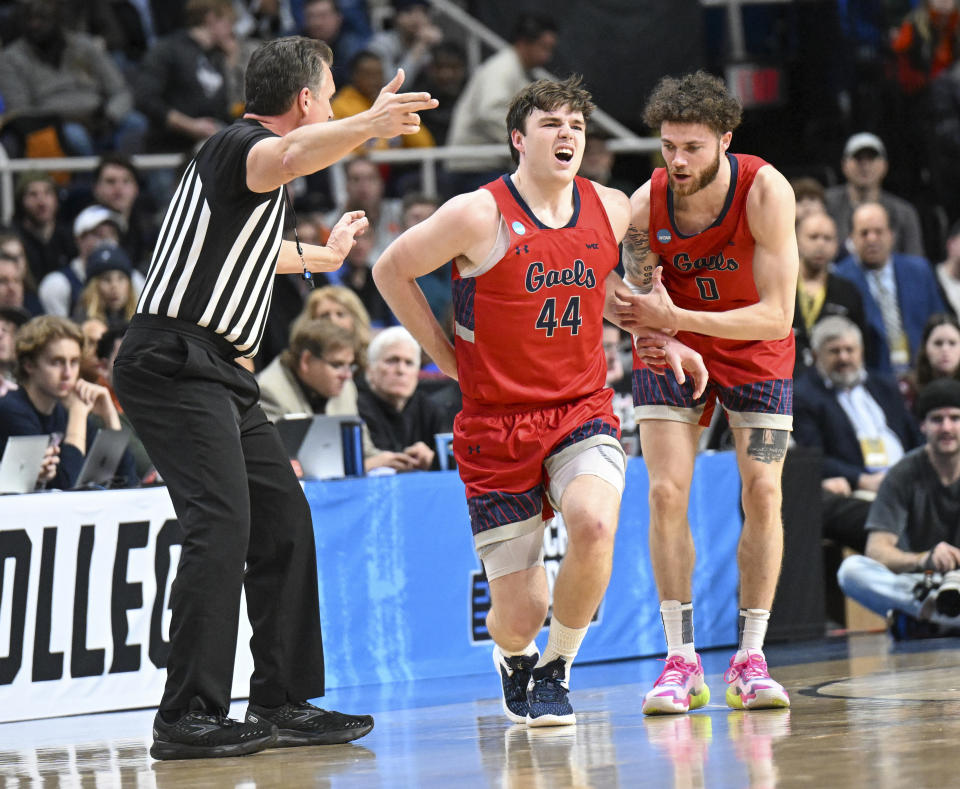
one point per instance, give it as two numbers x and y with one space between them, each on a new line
201 735
301 723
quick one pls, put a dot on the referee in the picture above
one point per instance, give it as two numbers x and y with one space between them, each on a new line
244 517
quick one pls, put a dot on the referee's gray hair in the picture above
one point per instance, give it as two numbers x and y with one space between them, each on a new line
279 69
832 328
388 337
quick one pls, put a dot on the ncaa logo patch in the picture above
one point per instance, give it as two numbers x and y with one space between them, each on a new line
663 236
518 228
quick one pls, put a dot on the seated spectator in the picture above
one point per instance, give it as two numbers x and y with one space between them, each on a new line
948 272
899 291
60 290
366 80
46 240
182 82
819 292
401 419
12 247
92 330
105 354
480 115
939 355
436 285
356 274
53 399
810 196
11 319
54 75
856 419
864 165
364 192
315 376
116 185
443 78
343 307
914 524
407 43
11 283
109 293
323 20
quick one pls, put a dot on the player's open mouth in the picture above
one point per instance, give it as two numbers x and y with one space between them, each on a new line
564 153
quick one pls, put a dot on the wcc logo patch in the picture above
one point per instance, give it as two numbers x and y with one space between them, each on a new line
554 549
664 236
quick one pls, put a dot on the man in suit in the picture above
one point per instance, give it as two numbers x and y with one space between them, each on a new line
820 293
857 419
899 291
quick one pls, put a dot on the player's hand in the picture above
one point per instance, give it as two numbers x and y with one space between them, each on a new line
344 235
396 113
680 358
639 310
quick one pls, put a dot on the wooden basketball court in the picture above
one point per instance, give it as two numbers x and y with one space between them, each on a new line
867 712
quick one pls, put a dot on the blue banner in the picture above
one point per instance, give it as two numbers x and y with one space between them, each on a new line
402 595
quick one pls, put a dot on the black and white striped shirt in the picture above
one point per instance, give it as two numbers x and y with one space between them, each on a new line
216 256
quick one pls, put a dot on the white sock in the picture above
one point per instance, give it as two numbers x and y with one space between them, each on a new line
562 642
753 629
529 649
677 621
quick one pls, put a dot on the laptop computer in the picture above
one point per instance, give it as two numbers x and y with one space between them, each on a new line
327 447
21 463
103 459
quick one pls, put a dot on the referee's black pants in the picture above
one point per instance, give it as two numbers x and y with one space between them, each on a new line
244 518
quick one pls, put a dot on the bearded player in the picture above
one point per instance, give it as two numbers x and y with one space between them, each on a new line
713 257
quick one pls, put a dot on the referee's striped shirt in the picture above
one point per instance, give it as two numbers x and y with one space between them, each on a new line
216 256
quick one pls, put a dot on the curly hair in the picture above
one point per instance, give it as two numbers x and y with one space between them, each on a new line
546 95
693 98
34 336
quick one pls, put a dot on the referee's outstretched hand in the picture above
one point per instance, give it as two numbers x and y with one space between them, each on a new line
396 113
344 234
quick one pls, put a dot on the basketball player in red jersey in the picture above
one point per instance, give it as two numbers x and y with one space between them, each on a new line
713 257
534 256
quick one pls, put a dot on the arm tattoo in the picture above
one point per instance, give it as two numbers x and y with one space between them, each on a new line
636 250
768 445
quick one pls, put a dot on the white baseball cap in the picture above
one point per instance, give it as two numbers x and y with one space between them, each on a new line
864 141
93 216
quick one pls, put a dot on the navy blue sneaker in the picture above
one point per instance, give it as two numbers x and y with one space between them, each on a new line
547 702
515 677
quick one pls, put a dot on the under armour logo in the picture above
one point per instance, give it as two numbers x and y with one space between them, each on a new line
473 449
524 247
593 246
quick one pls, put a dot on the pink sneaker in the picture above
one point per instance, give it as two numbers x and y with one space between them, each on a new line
751 687
679 688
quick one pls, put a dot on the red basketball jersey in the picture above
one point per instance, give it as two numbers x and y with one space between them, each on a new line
712 271
529 329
